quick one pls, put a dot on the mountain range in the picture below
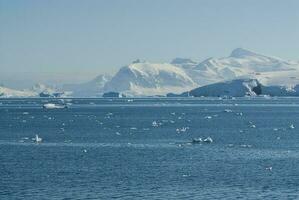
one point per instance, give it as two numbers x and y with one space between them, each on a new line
142 78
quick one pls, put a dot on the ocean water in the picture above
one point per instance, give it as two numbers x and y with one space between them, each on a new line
141 149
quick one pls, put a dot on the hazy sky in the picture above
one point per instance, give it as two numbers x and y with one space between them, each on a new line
75 40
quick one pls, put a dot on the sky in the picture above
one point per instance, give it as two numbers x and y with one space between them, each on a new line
70 41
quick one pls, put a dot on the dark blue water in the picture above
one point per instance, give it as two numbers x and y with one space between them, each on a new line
140 149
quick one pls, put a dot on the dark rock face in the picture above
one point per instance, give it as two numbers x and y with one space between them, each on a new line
235 88
239 88
258 89
113 94
185 94
48 95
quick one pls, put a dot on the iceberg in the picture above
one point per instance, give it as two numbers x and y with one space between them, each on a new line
54 106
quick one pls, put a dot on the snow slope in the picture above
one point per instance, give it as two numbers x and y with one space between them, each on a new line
93 88
7 92
243 63
144 78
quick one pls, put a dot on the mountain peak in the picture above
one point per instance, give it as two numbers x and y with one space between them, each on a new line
182 61
138 61
240 52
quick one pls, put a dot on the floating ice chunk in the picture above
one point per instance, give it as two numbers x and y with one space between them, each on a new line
239 114
156 124
292 126
208 117
246 145
199 140
183 129
117 133
208 140
196 140
37 139
251 125
53 106
269 168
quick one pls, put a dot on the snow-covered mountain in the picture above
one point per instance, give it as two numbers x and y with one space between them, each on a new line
38 90
141 78
144 78
93 88
7 92
42 90
243 63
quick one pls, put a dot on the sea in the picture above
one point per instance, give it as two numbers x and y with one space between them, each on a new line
149 148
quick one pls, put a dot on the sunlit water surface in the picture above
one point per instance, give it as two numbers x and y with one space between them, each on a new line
140 149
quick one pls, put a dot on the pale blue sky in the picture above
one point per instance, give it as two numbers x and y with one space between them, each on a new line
74 40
